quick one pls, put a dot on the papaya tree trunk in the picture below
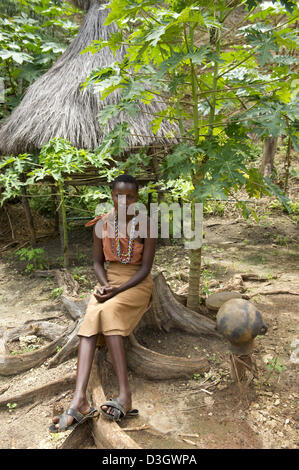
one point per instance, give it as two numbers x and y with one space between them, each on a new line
267 165
195 255
287 165
194 279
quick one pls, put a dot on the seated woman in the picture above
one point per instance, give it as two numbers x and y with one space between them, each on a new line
121 297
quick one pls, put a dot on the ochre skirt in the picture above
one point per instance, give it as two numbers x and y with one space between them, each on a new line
120 314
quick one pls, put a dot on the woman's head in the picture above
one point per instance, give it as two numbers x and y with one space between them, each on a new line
124 190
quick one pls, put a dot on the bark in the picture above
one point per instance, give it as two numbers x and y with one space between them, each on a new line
166 313
156 366
75 309
70 285
267 165
40 328
45 391
11 365
68 350
287 165
79 437
194 279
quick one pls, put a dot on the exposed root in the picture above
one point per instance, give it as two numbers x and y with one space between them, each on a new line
66 280
69 349
76 309
45 391
14 364
167 313
156 366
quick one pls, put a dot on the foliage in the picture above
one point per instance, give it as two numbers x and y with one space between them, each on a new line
218 81
11 406
33 34
11 170
78 276
35 258
55 293
57 160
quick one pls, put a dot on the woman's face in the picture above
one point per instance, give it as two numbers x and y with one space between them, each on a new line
124 194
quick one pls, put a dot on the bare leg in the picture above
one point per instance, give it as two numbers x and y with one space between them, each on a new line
116 349
86 352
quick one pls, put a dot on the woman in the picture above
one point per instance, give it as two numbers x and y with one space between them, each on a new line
120 299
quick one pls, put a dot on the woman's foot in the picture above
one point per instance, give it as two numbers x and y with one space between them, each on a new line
80 405
125 401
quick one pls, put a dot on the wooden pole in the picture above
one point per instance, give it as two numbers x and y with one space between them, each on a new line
28 215
55 210
63 226
149 200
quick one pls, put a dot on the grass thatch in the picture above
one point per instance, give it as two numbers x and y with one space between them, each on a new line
54 105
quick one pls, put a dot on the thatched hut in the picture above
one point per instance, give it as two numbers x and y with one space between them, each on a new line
55 105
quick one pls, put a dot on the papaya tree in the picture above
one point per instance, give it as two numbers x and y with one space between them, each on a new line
225 69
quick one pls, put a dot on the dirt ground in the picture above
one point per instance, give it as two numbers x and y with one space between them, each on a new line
206 412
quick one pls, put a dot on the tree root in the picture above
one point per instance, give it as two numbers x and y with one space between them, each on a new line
78 437
76 309
273 292
69 349
11 365
66 280
167 312
49 389
156 366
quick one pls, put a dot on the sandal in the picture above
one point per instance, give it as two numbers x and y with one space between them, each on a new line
79 417
119 412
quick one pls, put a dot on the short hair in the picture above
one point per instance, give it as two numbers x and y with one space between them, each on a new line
124 178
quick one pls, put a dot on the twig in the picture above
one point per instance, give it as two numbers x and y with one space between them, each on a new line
140 428
14 243
193 408
190 442
274 292
205 391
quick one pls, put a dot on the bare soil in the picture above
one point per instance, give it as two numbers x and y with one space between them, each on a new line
182 414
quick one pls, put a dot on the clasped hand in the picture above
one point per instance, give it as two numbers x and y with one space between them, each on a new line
105 292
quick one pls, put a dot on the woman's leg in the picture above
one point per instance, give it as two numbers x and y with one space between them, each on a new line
86 352
115 344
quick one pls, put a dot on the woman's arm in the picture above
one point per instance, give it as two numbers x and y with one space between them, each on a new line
99 259
145 268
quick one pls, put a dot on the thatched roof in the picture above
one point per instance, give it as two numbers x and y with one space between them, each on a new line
55 106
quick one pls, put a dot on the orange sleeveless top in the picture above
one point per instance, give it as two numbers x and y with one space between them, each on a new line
110 253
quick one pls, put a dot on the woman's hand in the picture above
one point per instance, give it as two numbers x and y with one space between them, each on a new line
104 293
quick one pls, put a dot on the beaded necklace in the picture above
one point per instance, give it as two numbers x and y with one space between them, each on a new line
125 258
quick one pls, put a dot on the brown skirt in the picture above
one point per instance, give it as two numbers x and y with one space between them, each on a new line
120 314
